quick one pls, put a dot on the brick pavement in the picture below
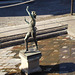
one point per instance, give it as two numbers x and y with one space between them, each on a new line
58 57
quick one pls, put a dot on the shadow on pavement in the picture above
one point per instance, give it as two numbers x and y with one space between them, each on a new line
42 7
59 68
49 69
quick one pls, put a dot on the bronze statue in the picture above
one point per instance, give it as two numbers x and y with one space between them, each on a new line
32 28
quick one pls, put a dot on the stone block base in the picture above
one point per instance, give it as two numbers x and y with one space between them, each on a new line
30 62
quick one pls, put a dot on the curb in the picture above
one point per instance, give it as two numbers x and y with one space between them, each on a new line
41 37
18 3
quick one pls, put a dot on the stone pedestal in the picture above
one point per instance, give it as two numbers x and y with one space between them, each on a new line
30 61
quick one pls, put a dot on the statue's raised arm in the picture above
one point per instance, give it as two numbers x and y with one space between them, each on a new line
29 12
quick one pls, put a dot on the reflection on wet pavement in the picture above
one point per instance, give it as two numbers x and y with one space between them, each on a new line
58 57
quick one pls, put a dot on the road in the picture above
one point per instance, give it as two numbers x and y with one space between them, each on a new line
45 9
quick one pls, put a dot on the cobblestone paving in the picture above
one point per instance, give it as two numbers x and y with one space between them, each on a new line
58 57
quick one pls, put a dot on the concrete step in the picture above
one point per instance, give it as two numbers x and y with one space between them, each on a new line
39 32
38 37
45 29
41 25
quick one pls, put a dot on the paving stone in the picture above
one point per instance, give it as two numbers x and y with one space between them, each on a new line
72 48
73 53
54 63
64 39
64 46
56 51
1 67
55 74
10 66
65 51
5 60
0 64
6 64
64 57
63 73
55 42
11 55
6 53
14 61
2 73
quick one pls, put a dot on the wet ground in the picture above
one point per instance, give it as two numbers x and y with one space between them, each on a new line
58 57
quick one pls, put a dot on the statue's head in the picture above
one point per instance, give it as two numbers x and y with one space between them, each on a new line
34 14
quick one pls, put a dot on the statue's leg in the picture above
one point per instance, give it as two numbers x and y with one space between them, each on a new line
26 40
34 37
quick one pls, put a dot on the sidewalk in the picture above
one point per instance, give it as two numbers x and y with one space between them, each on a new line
50 23
41 25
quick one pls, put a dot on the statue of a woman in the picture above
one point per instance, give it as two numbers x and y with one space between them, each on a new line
32 28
